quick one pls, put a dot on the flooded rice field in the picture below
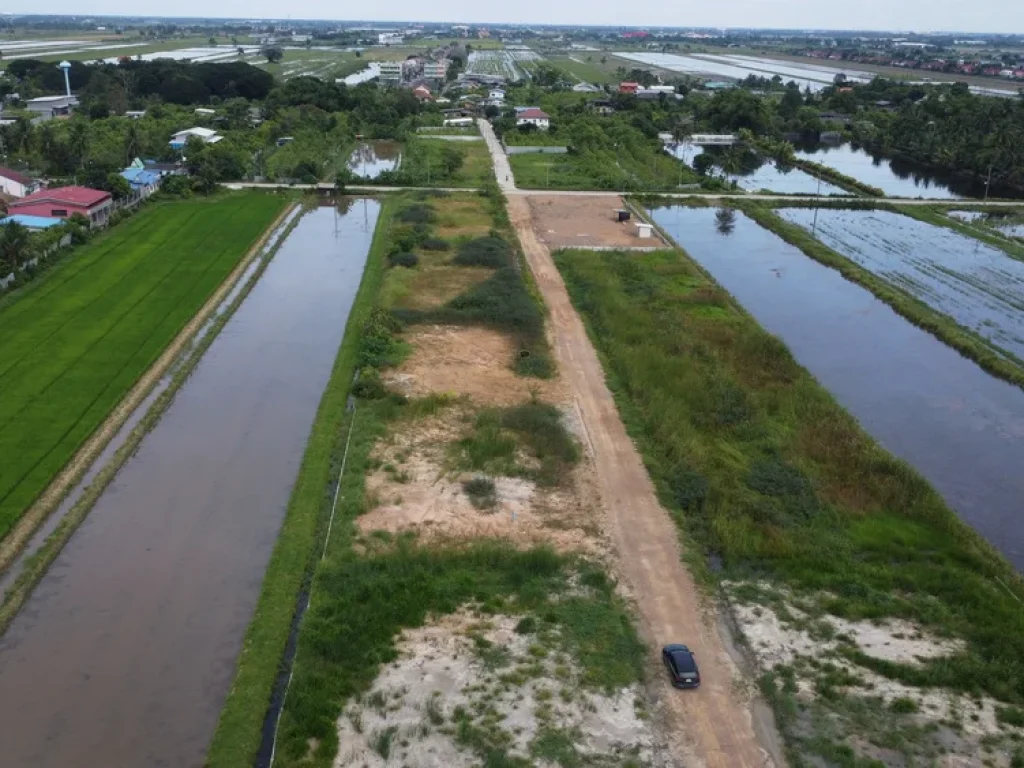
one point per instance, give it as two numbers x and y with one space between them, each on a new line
978 285
125 651
372 158
961 428
767 175
1008 223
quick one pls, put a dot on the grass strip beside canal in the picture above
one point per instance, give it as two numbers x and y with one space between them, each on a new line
38 562
839 179
938 216
239 731
944 328
769 478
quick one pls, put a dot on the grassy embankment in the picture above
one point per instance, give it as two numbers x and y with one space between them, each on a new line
839 179
365 590
760 467
76 341
938 215
943 327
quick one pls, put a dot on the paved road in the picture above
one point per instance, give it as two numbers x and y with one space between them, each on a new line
714 727
502 167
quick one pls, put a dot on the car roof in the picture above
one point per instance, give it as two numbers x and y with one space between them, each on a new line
675 647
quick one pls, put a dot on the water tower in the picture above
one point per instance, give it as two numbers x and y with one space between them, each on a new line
66 65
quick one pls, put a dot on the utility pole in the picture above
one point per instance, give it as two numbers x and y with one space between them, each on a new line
988 181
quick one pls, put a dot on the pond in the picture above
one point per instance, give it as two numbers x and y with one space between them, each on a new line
895 177
961 428
978 285
126 649
764 175
372 158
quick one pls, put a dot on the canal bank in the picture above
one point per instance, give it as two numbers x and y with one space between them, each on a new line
125 651
961 428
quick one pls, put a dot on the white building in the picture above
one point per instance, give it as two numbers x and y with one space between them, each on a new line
533 116
496 94
46 107
391 72
390 38
16 184
436 70
208 136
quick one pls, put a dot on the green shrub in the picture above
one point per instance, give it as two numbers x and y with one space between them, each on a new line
417 213
435 244
403 259
481 492
379 345
487 251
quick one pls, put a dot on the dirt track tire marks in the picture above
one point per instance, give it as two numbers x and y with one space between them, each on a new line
711 727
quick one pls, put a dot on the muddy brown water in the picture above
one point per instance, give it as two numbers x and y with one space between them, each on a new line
372 158
961 428
126 650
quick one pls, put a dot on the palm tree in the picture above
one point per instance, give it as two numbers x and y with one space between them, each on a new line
131 142
15 244
78 141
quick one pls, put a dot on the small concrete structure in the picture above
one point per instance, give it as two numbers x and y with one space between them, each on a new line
644 230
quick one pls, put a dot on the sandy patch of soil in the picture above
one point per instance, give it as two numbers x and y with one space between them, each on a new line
584 222
958 725
461 217
467 361
446 681
414 489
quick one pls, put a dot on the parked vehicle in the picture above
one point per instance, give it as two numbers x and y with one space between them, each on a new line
682 666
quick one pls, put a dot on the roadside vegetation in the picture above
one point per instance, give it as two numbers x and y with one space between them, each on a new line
802 519
430 162
533 627
75 342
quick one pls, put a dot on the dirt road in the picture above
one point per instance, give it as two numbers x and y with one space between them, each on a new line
712 727
715 723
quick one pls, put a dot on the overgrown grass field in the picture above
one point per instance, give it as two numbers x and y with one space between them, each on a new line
764 471
636 168
76 342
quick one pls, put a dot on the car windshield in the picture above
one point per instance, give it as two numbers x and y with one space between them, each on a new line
683 661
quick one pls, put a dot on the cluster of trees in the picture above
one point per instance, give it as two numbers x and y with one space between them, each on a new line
131 83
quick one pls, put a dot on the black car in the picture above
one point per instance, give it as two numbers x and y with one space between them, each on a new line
682 666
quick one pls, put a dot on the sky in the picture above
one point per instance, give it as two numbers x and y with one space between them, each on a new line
1005 16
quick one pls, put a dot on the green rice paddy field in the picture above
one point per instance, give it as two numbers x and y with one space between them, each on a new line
76 341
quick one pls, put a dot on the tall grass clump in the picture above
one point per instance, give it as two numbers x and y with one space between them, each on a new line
764 470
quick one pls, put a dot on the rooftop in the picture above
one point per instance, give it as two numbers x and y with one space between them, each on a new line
532 113
80 196
21 178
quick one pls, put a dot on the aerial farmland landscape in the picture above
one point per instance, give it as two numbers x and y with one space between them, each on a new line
512 386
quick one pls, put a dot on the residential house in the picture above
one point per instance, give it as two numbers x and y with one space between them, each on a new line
496 94
135 114
63 202
422 93
629 87
144 183
48 107
586 88
206 135
16 184
601 107
533 116
204 112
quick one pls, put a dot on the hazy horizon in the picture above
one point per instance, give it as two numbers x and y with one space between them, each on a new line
1000 16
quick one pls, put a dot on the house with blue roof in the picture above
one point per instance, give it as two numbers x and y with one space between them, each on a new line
144 183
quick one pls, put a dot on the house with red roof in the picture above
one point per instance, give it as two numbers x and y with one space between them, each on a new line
629 87
16 184
64 202
533 116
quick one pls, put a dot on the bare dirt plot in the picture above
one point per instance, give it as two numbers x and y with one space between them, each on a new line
562 221
416 489
443 676
467 361
715 729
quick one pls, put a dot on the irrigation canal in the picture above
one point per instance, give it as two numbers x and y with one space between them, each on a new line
961 428
125 651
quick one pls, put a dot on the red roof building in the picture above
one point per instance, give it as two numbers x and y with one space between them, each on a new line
421 92
629 87
64 202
